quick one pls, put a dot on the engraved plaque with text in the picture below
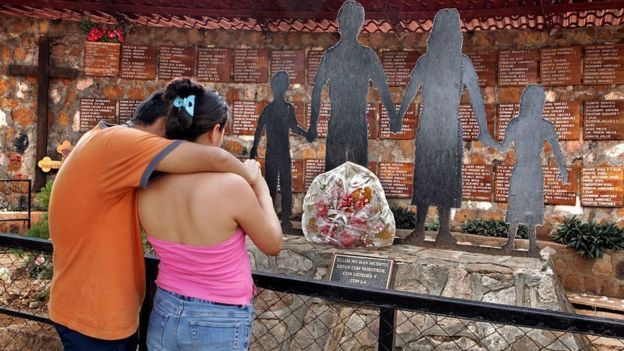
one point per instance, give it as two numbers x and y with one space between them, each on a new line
470 126
372 119
604 120
362 271
477 182
138 62
101 59
213 65
312 64
245 117
93 110
604 64
565 117
290 61
313 168
408 130
175 62
504 113
602 187
502 177
485 64
323 119
127 108
297 174
398 65
251 66
517 67
299 114
396 179
560 66
555 191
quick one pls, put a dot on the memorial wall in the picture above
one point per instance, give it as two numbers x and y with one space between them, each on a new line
582 71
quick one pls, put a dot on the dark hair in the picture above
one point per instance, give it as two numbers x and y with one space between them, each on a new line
150 109
209 110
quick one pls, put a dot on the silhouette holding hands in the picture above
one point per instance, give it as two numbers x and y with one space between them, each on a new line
279 119
528 132
347 68
443 72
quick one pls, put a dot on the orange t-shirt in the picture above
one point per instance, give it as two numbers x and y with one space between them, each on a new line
99 274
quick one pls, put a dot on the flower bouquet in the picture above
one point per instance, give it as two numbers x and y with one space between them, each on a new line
95 33
347 207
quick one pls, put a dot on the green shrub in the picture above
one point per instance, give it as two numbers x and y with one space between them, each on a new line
433 225
405 218
39 266
42 201
495 228
589 239
42 198
40 229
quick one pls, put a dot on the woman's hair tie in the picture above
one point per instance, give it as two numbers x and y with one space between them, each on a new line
188 103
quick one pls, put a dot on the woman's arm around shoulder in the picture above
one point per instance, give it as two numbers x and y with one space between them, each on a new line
255 214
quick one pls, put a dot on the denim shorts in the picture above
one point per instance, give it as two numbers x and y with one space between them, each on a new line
185 323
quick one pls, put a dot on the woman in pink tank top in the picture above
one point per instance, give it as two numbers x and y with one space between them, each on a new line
198 224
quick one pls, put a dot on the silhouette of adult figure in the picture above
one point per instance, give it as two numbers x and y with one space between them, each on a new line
348 67
279 118
528 132
443 72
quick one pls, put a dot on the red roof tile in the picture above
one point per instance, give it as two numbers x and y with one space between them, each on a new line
319 15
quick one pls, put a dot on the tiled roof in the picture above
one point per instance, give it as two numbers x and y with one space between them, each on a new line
319 15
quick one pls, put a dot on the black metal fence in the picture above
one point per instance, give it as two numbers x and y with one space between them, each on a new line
16 195
294 313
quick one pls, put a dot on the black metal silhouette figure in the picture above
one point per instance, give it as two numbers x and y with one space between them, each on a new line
527 132
348 67
279 118
443 71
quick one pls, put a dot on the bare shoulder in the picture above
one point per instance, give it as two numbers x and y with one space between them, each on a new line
221 182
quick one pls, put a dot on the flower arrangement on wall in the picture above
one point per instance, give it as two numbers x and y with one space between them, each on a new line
96 33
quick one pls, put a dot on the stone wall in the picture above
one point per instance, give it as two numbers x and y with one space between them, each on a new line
18 37
602 276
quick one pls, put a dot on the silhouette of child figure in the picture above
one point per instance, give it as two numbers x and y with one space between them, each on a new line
528 132
443 72
348 67
279 118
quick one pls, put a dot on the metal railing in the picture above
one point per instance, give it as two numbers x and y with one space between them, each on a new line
10 189
329 316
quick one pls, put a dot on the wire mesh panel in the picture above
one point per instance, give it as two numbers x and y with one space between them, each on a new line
422 331
297 322
24 289
18 334
15 196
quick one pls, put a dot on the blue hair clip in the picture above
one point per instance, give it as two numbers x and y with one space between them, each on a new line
188 103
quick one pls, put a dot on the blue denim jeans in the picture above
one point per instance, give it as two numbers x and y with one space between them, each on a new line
186 323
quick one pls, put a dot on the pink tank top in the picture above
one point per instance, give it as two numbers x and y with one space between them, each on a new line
219 273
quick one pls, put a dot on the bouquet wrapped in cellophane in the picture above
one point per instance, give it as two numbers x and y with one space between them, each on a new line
347 207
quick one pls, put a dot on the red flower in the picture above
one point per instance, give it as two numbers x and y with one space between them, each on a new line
347 239
95 34
322 209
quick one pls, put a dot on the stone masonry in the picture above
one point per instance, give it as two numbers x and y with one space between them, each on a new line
292 322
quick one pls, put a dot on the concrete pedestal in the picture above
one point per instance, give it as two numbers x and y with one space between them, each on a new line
303 323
